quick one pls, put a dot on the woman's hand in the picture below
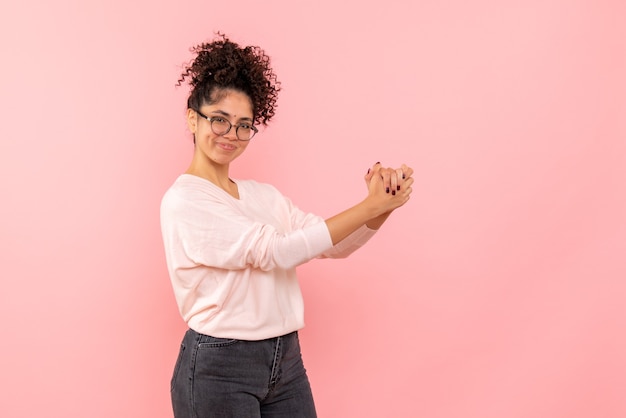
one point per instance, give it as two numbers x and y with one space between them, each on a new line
393 179
389 187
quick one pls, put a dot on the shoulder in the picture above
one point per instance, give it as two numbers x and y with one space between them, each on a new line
258 187
190 190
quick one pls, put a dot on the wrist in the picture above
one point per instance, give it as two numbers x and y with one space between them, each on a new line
377 222
371 209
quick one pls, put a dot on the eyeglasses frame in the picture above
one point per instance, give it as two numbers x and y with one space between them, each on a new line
210 119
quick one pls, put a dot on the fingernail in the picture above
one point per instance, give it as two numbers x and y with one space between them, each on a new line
368 171
403 176
377 163
398 188
387 189
393 192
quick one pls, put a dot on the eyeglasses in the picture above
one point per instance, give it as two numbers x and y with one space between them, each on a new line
222 126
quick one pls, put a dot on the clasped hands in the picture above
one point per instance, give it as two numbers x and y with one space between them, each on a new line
390 187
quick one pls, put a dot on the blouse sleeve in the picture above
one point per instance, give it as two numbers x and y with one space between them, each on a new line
211 232
343 248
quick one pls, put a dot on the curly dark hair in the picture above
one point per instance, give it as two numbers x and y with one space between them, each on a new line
224 65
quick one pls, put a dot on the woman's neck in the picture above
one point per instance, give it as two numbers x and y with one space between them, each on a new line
216 174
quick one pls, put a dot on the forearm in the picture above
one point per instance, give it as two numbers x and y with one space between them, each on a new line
377 222
348 221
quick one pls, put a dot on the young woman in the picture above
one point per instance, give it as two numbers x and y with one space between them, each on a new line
232 248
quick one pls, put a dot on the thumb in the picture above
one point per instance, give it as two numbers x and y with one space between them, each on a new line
371 171
375 179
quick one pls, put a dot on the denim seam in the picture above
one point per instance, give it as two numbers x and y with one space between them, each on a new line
218 344
276 364
178 365
193 375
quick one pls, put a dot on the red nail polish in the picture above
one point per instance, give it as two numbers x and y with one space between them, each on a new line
398 188
393 192
387 189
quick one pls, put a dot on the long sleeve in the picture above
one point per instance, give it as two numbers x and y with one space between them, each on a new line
342 249
350 244
215 232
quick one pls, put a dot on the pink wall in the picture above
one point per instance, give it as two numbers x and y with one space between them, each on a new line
497 292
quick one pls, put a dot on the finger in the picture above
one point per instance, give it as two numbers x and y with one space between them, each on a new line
407 188
406 171
401 176
408 183
370 173
395 186
376 179
404 195
386 176
375 170
368 176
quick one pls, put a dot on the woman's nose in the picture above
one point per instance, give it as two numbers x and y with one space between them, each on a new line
231 135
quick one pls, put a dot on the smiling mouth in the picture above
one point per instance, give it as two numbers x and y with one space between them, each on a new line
227 147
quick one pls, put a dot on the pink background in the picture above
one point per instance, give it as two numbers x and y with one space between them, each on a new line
498 291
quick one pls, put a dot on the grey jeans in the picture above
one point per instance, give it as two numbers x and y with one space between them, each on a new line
219 377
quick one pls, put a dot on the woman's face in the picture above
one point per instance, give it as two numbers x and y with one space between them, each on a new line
234 107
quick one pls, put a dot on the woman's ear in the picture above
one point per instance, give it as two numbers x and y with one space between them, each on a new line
192 120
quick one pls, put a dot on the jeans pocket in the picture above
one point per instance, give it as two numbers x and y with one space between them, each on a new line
177 366
208 342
